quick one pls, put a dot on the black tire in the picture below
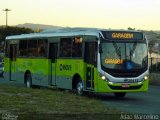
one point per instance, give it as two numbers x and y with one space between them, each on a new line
120 94
28 81
79 88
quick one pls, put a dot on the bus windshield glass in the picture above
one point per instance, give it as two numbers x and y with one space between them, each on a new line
124 56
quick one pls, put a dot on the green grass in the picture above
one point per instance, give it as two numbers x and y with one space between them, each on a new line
42 103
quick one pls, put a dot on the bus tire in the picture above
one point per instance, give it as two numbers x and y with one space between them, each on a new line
28 81
120 94
79 88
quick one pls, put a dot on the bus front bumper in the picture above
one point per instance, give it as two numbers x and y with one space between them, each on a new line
104 86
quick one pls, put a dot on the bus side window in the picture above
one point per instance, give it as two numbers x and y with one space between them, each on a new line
42 48
90 55
23 48
77 47
32 48
65 47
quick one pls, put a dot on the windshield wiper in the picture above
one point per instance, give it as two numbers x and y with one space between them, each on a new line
118 49
133 49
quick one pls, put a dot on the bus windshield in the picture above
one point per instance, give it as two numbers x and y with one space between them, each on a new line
124 57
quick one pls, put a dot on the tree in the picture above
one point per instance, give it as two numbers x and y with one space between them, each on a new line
129 28
8 31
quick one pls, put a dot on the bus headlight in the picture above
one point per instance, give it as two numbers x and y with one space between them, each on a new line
139 83
103 77
110 83
146 77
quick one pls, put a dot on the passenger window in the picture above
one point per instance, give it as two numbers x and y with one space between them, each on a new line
23 48
77 47
42 48
65 47
32 48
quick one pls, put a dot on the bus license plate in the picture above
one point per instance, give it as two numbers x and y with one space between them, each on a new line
125 85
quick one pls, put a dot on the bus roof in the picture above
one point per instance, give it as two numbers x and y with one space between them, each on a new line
63 32
56 33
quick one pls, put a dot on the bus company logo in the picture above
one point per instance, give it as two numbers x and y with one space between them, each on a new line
65 67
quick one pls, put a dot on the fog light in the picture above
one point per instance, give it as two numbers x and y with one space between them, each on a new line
103 77
110 82
139 83
145 78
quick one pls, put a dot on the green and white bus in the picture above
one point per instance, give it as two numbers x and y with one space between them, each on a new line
79 59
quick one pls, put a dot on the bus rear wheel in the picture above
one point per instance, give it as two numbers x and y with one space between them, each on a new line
120 94
79 88
28 81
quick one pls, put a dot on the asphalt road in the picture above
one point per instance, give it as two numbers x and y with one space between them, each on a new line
138 103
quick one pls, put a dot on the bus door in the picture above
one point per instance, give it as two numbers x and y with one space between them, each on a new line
53 56
12 55
90 57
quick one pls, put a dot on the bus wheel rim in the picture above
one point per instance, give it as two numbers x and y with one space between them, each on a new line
80 88
28 84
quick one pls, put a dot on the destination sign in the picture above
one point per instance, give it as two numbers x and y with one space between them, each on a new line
122 35
113 61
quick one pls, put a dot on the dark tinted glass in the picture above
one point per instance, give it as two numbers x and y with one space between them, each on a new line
65 47
77 47
23 48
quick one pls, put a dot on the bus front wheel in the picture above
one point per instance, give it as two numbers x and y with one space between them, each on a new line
120 94
28 81
79 88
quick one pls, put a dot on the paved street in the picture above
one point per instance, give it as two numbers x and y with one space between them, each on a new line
140 103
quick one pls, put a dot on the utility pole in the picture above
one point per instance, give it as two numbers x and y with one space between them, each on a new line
6 10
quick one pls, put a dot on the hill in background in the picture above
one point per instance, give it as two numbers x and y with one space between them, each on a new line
37 26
